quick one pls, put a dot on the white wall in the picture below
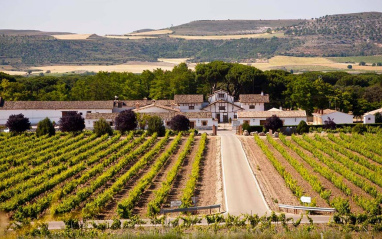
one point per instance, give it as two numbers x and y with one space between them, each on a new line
258 106
369 119
287 121
185 107
36 116
338 118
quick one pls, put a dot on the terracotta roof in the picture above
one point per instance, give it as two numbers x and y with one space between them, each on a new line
163 115
133 103
184 99
267 114
329 111
254 98
101 115
16 105
374 112
155 105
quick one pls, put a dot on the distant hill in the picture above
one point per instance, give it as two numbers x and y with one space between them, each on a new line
231 27
10 32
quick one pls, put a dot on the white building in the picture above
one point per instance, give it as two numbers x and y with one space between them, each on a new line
369 117
338 117
289 117
54 110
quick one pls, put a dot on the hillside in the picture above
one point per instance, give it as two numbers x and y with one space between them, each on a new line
356 34
231 27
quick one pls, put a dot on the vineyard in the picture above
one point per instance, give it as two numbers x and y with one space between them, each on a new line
106 177
337 170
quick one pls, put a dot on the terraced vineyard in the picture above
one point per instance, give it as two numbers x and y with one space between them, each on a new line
89 177
335 170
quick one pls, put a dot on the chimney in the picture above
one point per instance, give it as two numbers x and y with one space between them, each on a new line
145 101
153 102
281 108
137 105
262 93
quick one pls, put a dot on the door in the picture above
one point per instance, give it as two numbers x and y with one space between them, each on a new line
192 124
218 117
225 118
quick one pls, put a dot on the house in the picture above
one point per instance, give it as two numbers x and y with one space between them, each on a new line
338 117
54 110
289 117
369 117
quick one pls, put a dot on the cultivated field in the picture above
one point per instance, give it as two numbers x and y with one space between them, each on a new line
72 36
118 176
130 37
229 37
330 169
150 33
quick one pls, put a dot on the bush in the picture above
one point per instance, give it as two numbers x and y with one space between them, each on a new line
180 123
362 63
274 123
302 127
350 66
71 122
18 123
245 126
378 118
126 121
45 127
329 124
359 129
102 127
155 125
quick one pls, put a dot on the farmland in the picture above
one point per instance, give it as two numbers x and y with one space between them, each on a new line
106 177
335 170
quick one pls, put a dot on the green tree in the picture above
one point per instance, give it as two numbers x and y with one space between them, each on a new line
302 127
102 127
18 123
45 127
378 118
155 125
350 67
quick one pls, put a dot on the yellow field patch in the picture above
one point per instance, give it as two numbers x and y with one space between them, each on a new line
130 37
176 61
72 36
228 37
150 33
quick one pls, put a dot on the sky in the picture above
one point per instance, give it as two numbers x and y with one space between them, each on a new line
124 16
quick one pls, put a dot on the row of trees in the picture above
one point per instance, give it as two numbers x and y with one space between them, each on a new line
309 91
126 120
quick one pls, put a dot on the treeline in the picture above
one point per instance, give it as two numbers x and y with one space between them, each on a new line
309 91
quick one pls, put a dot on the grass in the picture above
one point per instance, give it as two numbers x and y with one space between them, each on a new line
357 59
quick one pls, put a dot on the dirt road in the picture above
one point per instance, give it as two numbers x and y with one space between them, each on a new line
242 193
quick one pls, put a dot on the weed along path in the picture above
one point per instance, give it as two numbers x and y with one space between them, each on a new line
241 191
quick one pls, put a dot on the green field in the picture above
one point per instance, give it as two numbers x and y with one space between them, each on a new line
357 59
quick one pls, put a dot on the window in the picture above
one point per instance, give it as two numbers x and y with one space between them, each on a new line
111 123
119 104
204 122
191 107
88 112
235 116
251 106
220 95
369 118
221 107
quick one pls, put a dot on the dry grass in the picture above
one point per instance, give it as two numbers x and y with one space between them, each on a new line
134 67
130 37
72 36
150 33
228 37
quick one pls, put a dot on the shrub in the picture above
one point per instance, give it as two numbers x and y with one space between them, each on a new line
358 128
71 122
180 123
126 121
362 63
155 125
101 127
378 118
302 127
350 66
274 123
329 124
45 127
245 126
18 123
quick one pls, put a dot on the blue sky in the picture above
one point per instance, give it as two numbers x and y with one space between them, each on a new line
123 16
